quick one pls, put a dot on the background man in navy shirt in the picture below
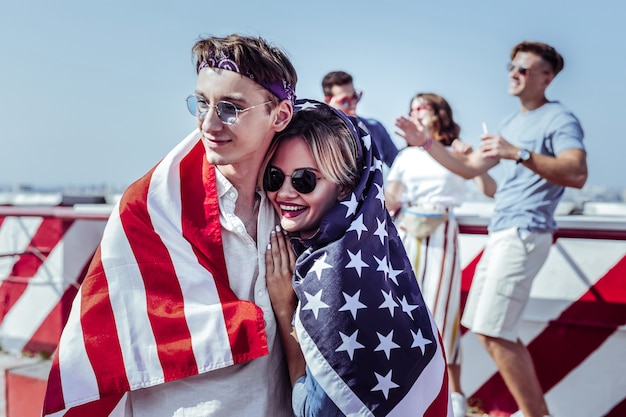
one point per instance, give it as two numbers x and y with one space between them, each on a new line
339 92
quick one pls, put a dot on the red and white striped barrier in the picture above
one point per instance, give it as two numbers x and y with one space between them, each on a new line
575 326
44 253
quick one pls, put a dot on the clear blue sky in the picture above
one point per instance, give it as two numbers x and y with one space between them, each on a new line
93 92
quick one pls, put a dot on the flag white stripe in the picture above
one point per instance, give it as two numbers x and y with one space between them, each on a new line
416 401
426 389
77 375
207 328
129 299
336 389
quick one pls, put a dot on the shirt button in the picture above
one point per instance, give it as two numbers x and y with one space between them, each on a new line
231 194
260 293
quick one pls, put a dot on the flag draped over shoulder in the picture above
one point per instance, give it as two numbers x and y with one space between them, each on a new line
367 336
156 304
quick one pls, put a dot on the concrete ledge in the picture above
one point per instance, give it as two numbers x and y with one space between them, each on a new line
24 382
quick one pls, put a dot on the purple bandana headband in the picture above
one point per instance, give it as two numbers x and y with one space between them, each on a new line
279 88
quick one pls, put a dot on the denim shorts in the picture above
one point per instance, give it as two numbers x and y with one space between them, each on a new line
309 399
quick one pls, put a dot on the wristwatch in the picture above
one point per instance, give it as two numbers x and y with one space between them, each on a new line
523 155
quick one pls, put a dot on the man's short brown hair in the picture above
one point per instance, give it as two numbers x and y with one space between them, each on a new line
545 51
335 78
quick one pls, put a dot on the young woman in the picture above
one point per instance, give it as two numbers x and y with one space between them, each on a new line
423 193
364 342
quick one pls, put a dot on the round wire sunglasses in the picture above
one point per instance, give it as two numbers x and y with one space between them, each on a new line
227 112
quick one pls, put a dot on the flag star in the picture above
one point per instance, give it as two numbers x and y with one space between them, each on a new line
380 195
419 340
378 165
351 205
386 344
383 265
307 105
314 303
393 273
366 138
349 344
320 265
352 303
388 303
406 307
356 262
358 226
381 231
384 384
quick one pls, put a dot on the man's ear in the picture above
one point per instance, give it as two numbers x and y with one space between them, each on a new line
284 113
327 99
549 78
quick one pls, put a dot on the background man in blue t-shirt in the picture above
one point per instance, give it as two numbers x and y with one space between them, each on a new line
339 92
541 150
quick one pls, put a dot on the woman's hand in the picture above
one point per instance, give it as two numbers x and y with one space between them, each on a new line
461 147
413 132
279 265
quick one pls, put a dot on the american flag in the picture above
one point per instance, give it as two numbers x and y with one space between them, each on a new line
157 286
367 336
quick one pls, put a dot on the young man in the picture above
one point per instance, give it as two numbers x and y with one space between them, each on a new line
541 151
339 92
173 317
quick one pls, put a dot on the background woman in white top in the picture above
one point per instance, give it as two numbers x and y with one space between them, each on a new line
416 183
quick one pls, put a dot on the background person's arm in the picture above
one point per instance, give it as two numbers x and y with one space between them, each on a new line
568 168
485 182
465 165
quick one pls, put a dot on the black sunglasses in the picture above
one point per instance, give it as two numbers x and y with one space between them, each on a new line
303 180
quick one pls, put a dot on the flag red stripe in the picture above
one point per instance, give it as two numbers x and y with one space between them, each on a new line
200 217
100 332
101 408
585 325
201 226
440 404
165 302
53 400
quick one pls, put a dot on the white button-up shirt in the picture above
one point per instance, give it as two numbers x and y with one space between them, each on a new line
260 387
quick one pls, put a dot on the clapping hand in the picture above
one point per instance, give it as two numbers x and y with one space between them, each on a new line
413 132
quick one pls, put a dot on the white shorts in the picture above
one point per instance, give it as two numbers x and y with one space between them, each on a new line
501 285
